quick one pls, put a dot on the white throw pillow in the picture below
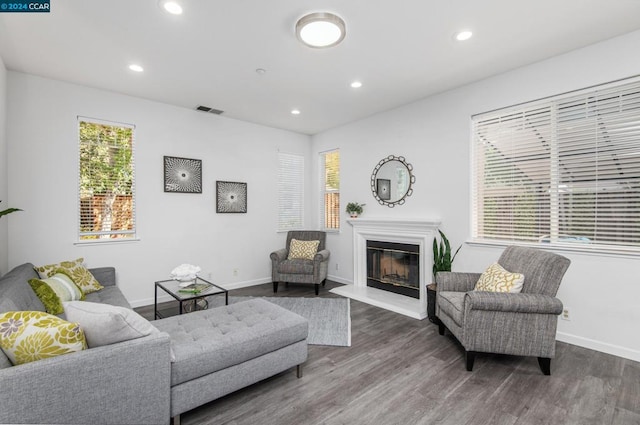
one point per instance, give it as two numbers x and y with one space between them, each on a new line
105 324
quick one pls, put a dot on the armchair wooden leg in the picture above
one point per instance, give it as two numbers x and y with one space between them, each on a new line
324 282
317 285
299 371
545 365
275 287
470 356
441 328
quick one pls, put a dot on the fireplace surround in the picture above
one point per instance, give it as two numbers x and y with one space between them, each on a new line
419 232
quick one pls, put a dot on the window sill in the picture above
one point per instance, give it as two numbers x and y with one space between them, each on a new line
106 241
586 249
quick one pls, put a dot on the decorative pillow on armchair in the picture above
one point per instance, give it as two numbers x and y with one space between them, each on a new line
78 273
305 250
497 279
26 336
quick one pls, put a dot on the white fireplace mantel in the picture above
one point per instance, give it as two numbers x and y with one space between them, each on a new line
408 231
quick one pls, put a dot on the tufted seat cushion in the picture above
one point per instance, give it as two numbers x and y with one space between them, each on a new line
452 304
210 340
296 266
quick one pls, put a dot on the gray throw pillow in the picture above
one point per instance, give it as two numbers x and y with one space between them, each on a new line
105 324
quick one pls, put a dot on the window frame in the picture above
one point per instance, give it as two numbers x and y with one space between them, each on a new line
561 157
133 232
324 192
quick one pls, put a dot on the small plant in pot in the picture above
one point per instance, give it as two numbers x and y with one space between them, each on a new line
354 209
442 261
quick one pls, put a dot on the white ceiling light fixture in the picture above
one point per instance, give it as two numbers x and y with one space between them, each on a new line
321 30
172 7
463 35
295 112
136 68
356 84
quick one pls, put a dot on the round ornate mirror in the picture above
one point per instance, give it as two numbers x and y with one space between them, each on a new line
391 181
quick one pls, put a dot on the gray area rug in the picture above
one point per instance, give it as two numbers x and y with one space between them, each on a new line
329 318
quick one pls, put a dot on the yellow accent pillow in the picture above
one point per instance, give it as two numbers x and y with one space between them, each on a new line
27 336
497 279
76 271
305 250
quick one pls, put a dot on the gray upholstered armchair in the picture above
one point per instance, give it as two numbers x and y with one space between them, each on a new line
301 270
522 324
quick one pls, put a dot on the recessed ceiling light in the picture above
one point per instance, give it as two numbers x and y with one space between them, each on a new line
320 29
136 68
172 7
356 84
261 71
295 111
463 35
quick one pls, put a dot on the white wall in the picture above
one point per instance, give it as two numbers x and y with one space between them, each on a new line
3 170
434 135
173 228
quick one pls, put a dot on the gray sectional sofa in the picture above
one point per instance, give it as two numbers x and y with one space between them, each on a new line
194 359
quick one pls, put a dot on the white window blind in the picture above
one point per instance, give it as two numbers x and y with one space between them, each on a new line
330 181
106 194
564 171
290 191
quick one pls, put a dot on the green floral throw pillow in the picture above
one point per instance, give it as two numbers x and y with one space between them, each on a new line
54 290
78 273
27 336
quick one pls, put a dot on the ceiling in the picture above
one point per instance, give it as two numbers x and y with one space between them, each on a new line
401 51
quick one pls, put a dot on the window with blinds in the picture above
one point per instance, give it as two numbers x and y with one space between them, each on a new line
330 202
290 191
563 172
106 181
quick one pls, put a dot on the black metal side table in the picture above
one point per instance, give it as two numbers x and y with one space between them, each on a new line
193 296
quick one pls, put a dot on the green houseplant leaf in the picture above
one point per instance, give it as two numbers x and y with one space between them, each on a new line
442 259
9 211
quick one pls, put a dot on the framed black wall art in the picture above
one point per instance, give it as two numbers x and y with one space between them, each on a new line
182 175
231 197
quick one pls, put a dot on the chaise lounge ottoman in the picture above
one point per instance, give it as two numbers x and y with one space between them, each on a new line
218 351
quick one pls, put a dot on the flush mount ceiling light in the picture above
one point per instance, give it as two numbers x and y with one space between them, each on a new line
356 84
295 112
320 30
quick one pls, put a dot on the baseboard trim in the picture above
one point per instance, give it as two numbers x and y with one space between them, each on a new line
339 280
163 297
603 347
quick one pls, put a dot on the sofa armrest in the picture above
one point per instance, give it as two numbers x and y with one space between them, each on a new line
456 281
279 255
127 382
517 303
321 256
105 275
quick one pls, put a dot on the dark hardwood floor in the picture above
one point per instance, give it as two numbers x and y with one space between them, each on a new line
400 371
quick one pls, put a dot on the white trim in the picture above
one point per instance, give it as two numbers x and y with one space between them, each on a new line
595 250
602 347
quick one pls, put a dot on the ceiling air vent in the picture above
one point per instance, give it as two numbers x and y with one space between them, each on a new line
208 109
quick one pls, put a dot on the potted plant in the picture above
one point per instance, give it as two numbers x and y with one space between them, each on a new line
9 211
354 209
442 261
